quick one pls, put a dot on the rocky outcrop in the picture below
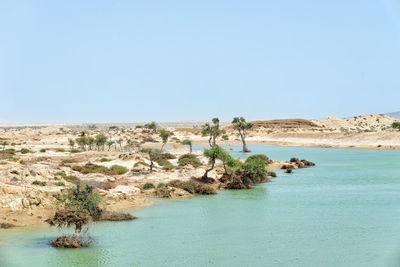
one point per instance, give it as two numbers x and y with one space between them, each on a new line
20 198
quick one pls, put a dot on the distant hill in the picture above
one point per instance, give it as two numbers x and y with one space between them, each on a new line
394 114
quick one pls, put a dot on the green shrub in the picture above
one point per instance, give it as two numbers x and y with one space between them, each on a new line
39 183
139 126
189 159
42 150
90 168
148 186
74 150
189 188
8 151
255 169
25 151
167 166
65 161
161 185
39 159
258 156
193 187
69 178
59 184
225 137
15 159
273 174
141 163
119 169
105 160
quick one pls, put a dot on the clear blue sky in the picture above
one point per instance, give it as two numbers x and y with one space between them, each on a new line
122 61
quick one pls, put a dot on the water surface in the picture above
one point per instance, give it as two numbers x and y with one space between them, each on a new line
343 212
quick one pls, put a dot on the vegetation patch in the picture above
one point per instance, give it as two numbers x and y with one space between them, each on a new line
193 187
39 159
161 185
119 169
59 184
189 159
105 160
26 151
11 151
115 216
39 183
141 163
147 186
69 178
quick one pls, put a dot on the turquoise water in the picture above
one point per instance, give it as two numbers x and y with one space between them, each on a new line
343 212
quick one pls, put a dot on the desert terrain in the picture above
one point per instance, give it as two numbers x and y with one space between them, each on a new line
38 162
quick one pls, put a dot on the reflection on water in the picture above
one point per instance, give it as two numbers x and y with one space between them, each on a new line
343 212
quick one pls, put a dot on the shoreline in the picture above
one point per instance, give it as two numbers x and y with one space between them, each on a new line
294 144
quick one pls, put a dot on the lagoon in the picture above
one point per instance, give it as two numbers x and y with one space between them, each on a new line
343 212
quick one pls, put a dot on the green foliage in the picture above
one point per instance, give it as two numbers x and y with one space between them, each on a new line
119 169
82 141
59 184
89 168
42 150
141 163
255 169
166 165
71 142
213 153
9 151
147 186
113 127
164 136
69 178
151 126
396 125
239 123
242 126
212 130
39 159
100 140
74 150
189 188
189 159
161 185
105 160
225 137
139 126
258 156
193 187
25 151
39 183
82 198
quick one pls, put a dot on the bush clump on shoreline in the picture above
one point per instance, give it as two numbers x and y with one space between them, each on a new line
193 187
147 186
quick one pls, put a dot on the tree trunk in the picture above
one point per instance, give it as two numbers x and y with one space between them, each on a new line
190 148
205 176
243 136
78 228
162 147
